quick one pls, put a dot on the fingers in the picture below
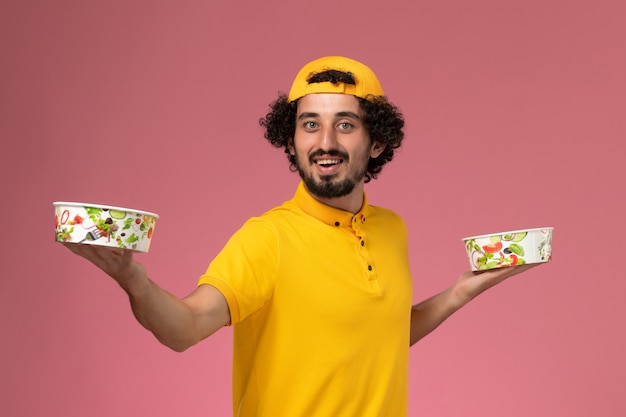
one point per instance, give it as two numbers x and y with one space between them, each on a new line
473 283
508 271
93 251
127 257
106 258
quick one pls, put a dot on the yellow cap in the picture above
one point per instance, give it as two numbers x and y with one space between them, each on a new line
366 81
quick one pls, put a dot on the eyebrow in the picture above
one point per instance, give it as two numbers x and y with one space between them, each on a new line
348 114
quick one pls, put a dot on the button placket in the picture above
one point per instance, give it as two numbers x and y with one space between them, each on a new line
357 223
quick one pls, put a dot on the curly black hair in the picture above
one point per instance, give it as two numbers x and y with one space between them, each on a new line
383 120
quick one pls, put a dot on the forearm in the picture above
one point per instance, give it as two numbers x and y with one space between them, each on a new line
165 315
429 314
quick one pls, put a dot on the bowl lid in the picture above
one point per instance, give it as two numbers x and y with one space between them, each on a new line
512 232
103 206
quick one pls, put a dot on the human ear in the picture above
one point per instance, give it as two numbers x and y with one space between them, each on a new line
377 149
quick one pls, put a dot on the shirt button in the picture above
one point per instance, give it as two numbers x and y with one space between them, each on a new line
362 243
369 267
337 223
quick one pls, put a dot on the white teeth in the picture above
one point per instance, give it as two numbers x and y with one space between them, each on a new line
327 162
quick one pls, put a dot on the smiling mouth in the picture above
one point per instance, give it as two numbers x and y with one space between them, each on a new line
328 162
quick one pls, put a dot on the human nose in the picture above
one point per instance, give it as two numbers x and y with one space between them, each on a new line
328 138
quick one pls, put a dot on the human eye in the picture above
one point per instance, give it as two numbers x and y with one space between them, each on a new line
345 126
310 125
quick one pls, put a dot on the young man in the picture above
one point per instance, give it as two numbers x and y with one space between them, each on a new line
318 289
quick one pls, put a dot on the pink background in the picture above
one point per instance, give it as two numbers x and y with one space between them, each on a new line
515 118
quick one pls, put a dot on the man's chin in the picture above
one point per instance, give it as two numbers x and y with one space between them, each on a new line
328 187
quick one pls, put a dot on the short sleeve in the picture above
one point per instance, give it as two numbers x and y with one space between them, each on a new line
246 269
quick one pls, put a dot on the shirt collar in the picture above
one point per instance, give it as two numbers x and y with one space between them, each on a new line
327 214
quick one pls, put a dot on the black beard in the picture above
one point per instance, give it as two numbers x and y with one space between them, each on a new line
326 188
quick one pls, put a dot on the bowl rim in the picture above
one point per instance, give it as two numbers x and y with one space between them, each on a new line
508 233
103 206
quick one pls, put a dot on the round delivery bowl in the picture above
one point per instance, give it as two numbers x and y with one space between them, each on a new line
101 225
518 247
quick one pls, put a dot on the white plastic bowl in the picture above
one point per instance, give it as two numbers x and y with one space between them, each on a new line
96 224
497 250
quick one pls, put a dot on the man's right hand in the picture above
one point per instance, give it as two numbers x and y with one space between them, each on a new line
117 263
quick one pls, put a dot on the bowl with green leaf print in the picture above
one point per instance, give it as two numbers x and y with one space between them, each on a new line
101 225
497 250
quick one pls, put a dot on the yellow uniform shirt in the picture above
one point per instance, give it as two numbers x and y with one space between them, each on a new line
320 300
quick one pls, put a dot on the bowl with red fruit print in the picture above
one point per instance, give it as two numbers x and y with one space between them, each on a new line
497 250
96 224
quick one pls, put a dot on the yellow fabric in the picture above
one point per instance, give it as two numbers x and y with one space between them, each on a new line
316 332
366 81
